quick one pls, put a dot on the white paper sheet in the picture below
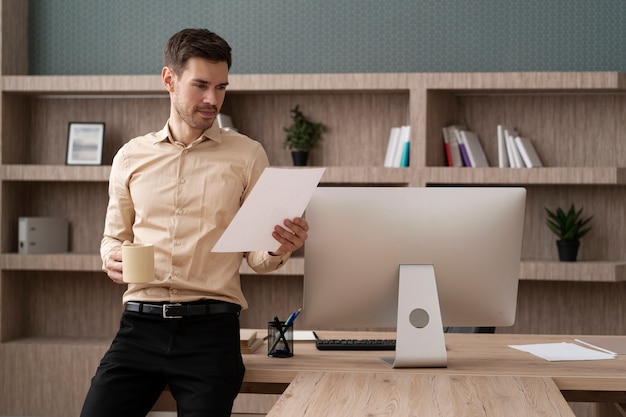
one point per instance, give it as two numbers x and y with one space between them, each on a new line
279 194
303 335
563 351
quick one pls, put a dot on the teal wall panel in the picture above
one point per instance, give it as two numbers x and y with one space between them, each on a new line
318 36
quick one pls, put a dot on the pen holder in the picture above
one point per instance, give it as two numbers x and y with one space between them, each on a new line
279 339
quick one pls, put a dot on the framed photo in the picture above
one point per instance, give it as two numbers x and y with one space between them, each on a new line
84 143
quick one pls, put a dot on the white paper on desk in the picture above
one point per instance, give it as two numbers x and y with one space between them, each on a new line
563 351
279 194
303 335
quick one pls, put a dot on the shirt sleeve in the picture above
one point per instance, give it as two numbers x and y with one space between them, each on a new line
120 212
263 262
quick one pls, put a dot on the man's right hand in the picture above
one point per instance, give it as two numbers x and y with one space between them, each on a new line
113 265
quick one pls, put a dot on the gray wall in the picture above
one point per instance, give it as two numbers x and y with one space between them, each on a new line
317 36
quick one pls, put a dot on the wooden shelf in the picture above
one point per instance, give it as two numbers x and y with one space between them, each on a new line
51 262
580 271
332 175
356 176
93 263
124 85
369 175
603 271
68 85
469 83
55 173
532 82
523 176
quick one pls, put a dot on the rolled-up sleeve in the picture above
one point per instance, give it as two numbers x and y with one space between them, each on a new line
263 262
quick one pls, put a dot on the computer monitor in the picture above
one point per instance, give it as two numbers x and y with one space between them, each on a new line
451 255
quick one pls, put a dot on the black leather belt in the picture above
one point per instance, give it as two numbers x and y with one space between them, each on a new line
179 310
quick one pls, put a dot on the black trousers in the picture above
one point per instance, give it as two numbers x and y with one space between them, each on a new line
198 357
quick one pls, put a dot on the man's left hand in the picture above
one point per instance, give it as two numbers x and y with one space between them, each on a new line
291 237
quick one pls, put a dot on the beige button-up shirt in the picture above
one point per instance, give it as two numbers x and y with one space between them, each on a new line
181 198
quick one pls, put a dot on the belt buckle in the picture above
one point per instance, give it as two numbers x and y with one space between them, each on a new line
166 307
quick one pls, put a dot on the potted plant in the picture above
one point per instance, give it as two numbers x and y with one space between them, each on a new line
570 228
302 135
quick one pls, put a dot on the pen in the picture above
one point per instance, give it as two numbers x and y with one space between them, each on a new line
292 317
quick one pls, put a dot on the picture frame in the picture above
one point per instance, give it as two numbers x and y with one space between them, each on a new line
85 142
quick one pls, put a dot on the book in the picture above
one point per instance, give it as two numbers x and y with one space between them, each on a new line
462 149
451 145
403 147
252 347
474 149
247 336
528 152
405 141
248 340
392 145
515 160
464 155
503 154
398 147
406 153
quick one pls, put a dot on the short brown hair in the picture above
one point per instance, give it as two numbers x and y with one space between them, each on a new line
195 43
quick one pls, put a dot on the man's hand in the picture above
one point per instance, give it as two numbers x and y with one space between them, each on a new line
292 236
113 265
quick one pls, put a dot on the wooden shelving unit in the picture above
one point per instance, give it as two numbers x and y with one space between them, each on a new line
601 271
58 312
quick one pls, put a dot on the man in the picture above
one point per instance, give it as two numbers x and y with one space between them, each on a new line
178 189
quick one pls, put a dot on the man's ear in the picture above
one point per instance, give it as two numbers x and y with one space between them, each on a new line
168 77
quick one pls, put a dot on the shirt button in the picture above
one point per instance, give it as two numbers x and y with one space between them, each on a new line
182 180
178 243
186 151
180 211
177 273
174 291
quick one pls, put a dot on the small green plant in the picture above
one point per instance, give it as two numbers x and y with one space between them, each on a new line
302 134
568 225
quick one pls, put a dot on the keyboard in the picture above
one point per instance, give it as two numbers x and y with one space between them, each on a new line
355 344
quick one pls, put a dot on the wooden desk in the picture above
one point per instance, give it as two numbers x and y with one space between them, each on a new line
367 394
468 354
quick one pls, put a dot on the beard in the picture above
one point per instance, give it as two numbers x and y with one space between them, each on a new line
193 118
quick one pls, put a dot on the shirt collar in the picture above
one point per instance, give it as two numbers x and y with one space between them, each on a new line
212 133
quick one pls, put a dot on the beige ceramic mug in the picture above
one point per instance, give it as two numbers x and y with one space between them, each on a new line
137 262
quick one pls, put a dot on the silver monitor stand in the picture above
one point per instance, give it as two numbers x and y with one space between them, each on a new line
419 333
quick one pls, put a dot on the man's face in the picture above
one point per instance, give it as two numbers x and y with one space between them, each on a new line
199 91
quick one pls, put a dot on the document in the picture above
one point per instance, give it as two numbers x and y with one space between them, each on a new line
563 351
279 194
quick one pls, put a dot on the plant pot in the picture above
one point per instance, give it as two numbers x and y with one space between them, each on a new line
568 250
300 158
